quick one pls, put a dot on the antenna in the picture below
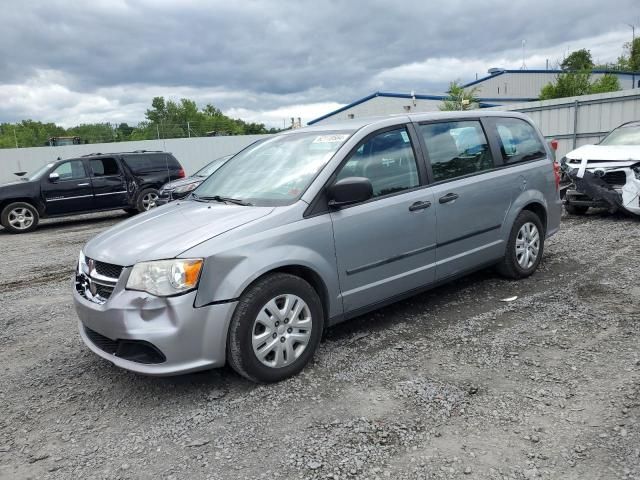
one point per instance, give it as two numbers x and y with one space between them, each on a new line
524 65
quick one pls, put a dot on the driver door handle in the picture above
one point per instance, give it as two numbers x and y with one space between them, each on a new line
419 206
449 197
83 184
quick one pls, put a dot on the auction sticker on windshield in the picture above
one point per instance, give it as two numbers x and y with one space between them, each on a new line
331 138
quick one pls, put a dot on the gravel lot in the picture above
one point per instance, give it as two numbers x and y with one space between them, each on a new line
453 383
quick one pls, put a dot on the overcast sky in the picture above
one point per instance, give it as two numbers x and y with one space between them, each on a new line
266 60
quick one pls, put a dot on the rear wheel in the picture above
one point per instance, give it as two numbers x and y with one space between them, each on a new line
19 217
575 209
147 199
524 248
275 329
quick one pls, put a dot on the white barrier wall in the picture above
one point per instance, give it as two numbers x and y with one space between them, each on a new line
576 121
192 153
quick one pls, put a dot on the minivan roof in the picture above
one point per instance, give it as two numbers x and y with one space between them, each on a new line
359 123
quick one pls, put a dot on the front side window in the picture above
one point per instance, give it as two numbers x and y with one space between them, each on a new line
519 142
456 148
102 167
387 160
276 171
71 170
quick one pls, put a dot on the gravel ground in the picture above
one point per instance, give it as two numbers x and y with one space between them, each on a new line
454 383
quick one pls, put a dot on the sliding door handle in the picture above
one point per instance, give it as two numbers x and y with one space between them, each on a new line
449 197
83 184
419 206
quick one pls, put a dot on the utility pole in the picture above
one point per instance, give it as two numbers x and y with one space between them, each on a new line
188 130
158 131
15 137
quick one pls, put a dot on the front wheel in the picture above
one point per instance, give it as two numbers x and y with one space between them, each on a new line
524 247
19 217
276 328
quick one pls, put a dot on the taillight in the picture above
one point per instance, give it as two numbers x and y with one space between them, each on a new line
556 173
181 173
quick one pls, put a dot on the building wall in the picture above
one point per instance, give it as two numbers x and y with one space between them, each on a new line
583 120
384 105
193 153
528 85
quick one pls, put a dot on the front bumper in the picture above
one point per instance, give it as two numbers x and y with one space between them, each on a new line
594 194
188 338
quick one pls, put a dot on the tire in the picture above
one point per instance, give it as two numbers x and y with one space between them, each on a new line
575 209
146 199
262 313
19 217
131 211
516 264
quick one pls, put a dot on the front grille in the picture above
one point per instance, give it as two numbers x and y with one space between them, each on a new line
615 178
104 291
108 269
139 351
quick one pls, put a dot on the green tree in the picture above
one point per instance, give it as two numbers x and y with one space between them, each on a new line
579 60
607 83
459 99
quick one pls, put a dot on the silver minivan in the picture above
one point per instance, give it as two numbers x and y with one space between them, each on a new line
309 228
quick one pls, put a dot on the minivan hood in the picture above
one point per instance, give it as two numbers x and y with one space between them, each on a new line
168 231
619 153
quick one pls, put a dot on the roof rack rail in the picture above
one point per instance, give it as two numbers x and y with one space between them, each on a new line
146 151
91 154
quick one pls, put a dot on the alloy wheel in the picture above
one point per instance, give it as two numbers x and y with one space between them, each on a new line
149 200
21 218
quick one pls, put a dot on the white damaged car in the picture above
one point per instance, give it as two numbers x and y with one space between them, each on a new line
606 174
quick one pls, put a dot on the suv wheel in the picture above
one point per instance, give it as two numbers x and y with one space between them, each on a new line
575 209
275 329
147 199
19 217
524 248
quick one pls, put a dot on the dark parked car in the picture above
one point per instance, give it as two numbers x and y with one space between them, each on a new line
181 188
92 183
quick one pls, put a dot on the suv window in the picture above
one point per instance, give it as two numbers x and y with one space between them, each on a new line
387 160
152 163
456 148
103 167
71 170
519 141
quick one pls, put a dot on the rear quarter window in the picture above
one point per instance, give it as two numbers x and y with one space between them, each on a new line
519 141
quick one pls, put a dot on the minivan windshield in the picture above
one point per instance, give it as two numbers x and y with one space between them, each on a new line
625 135
273 172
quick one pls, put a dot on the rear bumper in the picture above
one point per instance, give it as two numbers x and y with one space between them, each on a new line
186 338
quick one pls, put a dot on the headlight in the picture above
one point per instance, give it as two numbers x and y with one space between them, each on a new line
165 277
82 264
185 188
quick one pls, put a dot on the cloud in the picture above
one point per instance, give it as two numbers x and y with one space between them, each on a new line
104 60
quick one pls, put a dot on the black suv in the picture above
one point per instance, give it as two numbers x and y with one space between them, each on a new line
92 183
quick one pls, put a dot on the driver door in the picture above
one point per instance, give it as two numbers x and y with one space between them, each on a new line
71 192
385 246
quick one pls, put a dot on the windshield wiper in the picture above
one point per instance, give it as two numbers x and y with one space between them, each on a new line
218 198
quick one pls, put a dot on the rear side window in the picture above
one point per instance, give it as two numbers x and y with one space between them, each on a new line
456 148
387 160
102 167
519 142
152 163
71 170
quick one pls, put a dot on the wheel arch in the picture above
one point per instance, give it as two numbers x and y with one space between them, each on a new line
36 204
539 209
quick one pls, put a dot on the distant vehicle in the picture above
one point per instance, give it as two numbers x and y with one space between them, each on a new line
61 141
181 188
92 183
309 228
610 175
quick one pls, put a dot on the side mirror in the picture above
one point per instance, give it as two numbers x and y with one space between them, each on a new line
348 191
54 177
